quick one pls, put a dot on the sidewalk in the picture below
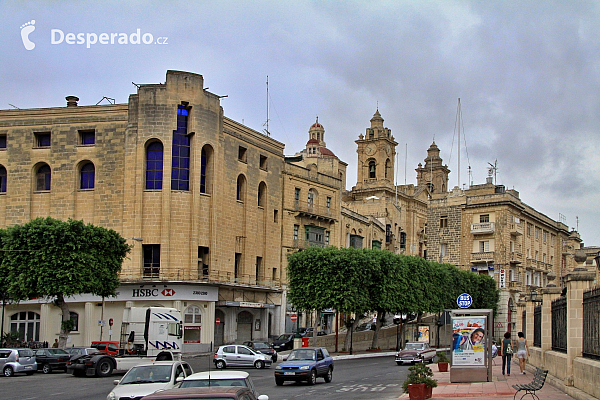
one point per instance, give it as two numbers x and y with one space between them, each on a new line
499 389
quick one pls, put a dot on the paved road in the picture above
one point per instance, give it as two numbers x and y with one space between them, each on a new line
365 378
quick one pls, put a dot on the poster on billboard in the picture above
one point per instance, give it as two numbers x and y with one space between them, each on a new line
468 340
423 335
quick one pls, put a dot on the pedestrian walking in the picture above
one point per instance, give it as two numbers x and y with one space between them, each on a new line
522 351
507 353
55 344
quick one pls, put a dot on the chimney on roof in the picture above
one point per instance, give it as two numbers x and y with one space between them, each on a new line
72 101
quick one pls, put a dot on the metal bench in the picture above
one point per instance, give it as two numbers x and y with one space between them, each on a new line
539 378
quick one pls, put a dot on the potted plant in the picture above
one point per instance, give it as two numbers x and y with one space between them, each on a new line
443 362
419 382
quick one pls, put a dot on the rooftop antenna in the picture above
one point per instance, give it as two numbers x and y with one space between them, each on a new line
470 176
267 123
109 99
12 105
459 117
493 169
577 222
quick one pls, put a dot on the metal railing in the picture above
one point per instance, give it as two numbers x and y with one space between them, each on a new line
241 279
314 209
559 324
303 244
537 326
483 227
591 324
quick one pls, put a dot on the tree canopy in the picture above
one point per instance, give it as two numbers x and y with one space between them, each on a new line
56 259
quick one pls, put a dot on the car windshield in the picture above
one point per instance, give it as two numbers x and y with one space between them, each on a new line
296 355
57 351
413 346
213 382
261 346
147 374
285 336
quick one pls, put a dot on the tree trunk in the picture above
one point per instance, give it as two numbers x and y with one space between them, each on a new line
66 316
378 324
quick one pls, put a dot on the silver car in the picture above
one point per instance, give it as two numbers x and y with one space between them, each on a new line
236 355
17 360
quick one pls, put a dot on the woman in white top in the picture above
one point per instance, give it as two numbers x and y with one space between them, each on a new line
522 351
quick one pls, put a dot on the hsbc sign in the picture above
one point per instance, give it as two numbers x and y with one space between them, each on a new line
152 292
168 292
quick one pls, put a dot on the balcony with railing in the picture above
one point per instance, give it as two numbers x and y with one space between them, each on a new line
515 229
311 210
516 257
225 277
303 244
483 228
481 257
515 286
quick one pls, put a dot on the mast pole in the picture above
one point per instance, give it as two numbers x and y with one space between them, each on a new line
459 117
268 133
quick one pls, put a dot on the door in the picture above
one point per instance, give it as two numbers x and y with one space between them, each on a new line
3 358
244 331
220 328
245 356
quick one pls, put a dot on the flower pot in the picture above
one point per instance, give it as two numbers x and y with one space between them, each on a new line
419 391
443 366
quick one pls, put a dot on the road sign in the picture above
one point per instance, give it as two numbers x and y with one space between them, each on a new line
293 317
110 322
499 325
464 300
218 321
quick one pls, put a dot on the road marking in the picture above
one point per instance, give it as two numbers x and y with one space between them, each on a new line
365 388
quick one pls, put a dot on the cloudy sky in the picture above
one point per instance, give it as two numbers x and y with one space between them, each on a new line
527 74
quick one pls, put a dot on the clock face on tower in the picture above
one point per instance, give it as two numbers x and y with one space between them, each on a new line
370 149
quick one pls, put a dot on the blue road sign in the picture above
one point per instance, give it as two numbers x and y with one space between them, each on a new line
464 300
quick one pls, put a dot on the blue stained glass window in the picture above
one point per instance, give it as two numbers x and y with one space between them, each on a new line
88 174
3 175
180 172
154 166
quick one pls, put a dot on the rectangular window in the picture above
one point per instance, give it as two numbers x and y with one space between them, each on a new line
275 215
484 246
315 236
297 194
443 222
296 228
536 255
545 236
327 239
263 162
87 137
356 241
237 266
242 154
328 202
443 249
151 260
2 141
403 240
376 244
274 274
258 269
484 218
537 233
42 139
529 229
203 266
180 173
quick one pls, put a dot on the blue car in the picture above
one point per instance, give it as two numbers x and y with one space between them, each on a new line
305 364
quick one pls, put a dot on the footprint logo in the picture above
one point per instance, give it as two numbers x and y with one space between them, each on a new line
26 29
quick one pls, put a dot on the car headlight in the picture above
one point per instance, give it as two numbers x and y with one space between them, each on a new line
305 367
111 396
278 367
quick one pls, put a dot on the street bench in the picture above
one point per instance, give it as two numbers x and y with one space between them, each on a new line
539 378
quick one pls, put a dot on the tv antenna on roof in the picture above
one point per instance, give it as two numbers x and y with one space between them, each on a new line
493 169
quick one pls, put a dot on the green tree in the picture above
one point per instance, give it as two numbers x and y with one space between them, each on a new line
55 259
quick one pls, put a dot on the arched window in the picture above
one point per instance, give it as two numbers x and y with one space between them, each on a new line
3 176
206 169
262 193
192 315
154 166
388 168
87 174
43 177
372 170
27 324
241 188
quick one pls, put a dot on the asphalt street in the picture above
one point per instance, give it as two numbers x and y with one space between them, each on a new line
362 378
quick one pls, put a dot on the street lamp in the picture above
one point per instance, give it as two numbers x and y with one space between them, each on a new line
398 320
351 326
533 296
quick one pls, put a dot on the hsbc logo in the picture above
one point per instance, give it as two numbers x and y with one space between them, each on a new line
152 292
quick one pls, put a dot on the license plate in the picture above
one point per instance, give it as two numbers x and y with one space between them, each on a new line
289 373
28 367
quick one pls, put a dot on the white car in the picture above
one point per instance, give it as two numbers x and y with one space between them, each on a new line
221 378
146 379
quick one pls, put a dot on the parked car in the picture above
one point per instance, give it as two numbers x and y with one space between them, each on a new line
415 352
262 347
237 355
49 360
285 341
79 351
17 360
367 326
146 379
308 332
305 364
212 393
219 378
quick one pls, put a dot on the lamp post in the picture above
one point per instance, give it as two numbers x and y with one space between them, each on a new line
533 296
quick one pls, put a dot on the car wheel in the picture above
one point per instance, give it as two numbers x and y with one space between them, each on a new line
8 372
29 373
104 368
220 364
46 368
312 379
259 364
398 362
431 360
329 375
78 372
